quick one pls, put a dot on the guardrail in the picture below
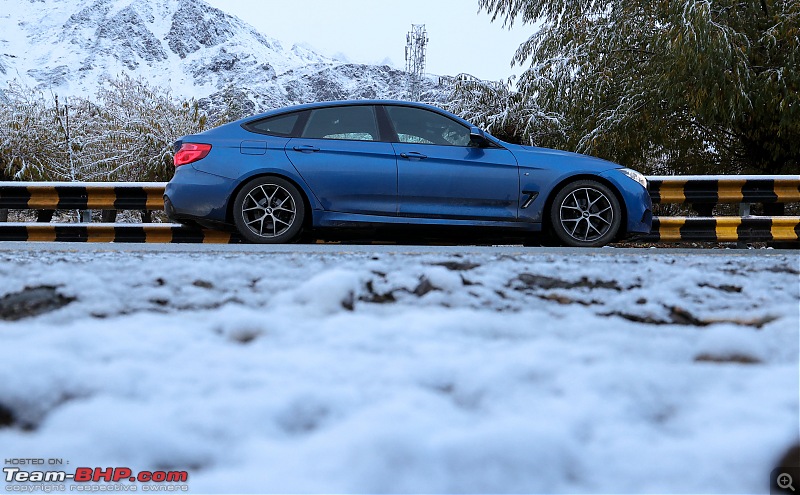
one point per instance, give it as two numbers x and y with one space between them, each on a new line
701 192
704 192
703 189
725 229
114 232
46 197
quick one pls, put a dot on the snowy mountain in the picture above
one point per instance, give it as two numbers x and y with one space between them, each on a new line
69 46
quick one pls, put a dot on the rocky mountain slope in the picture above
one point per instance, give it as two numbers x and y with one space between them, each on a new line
69 46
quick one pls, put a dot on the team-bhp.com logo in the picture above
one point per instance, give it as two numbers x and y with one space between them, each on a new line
158 481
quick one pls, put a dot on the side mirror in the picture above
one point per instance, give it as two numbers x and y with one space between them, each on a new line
477 137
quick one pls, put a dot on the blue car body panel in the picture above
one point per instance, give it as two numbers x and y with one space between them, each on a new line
542 170
347 178
232 162
637 203
336 219
353 182
192 194
457 182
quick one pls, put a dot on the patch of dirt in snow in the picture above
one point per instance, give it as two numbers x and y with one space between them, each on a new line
6 417
727 358
32 301
532 281
681 316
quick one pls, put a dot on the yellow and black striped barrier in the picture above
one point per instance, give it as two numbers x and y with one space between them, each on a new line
724 229
724 189
163 233
706 190
150 195
82 195
665 229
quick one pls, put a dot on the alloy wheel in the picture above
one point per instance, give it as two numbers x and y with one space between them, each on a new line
268 210
586 214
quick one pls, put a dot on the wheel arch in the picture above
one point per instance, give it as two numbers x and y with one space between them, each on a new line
307 221
546 226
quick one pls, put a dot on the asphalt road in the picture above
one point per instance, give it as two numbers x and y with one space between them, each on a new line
67 247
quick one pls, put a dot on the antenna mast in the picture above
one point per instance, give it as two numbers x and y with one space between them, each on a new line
416 44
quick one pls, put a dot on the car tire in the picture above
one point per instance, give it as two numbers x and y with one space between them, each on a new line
269 210
585 213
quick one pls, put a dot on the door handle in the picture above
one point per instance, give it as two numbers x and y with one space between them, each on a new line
306 148
413 155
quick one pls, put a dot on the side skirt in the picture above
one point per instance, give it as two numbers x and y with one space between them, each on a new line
332 219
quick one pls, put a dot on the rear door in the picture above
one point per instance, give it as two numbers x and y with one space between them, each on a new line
441 176
342 159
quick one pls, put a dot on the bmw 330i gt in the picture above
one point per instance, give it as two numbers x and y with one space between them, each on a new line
380 163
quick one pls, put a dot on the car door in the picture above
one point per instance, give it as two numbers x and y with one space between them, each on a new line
342 159
441 176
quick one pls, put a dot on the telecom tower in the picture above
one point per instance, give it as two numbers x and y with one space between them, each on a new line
416 42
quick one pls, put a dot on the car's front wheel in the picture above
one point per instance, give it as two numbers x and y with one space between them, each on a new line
585 213
269 210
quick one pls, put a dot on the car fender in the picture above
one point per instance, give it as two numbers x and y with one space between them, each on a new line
546 183
228 161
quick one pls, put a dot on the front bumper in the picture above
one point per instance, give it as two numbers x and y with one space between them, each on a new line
638 204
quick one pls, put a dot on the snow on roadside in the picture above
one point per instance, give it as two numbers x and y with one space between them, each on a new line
386 372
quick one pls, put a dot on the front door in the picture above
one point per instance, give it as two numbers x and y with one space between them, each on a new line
441 176
343 161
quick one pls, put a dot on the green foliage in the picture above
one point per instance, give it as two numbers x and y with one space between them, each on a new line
26 134
665 86
126 135
505 113
141 124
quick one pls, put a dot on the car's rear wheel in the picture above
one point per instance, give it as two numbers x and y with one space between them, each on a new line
269 210
585 213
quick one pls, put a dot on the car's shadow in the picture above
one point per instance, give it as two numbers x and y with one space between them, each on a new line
427 235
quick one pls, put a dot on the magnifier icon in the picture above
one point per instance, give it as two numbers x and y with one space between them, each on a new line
785 481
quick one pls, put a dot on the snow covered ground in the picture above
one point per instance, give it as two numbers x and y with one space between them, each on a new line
404 369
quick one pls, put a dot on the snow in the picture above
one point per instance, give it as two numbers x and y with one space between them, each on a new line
90 39
187 46
406 370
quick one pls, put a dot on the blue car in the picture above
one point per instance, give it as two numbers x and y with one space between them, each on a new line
380 163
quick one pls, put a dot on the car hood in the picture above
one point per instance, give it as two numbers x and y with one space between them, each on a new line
533 157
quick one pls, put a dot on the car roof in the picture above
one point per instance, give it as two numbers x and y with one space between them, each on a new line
341 103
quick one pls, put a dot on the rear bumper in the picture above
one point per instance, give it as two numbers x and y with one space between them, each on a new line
193 195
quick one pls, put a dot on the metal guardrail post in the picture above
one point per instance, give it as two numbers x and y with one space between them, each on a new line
744 211
45 216
774 209
3 214
703 210
85 216
108 216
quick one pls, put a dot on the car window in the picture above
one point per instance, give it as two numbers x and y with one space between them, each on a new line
280 125
355 122
419 126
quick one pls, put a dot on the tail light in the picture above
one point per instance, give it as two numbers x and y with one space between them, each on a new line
190 153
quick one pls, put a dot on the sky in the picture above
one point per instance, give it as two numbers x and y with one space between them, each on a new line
370 31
